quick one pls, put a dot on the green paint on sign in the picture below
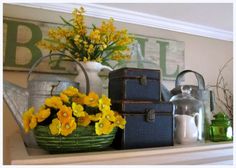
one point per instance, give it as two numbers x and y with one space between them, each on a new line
142 42
12 44
163 62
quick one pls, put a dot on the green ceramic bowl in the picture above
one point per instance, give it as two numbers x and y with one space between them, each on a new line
83 139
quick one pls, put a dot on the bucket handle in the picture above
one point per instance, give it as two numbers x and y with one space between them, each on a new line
62 55
200 79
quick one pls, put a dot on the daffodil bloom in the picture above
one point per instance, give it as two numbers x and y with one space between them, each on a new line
95 117
64 97
78 100
71 91
54 102
43 114
84 121
78 110
29 120
109 115
55 127
68 127
103 127
120 121
104 103
91 100
64 114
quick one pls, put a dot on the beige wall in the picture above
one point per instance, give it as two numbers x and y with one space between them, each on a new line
203 55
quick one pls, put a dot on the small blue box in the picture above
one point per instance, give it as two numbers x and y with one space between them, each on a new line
134 84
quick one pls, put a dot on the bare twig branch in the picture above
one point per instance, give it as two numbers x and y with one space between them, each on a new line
223 93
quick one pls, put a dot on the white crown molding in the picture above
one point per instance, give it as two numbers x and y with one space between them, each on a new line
105 12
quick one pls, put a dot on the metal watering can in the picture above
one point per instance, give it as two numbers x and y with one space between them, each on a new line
38 89
199 92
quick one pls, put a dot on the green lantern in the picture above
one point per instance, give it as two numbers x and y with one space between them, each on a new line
221 128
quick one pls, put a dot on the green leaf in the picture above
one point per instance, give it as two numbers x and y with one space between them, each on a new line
116 48
120 62
94 26
67 23
107 55
106 63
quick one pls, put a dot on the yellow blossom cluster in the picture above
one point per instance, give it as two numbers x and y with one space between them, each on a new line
98 43
64 113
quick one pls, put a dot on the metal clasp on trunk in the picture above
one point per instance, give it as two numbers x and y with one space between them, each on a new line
143 80
150 117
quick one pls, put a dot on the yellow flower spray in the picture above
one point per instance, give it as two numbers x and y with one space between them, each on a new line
73 109
101 44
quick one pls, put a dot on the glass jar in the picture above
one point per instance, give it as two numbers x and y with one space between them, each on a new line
189 117
220 128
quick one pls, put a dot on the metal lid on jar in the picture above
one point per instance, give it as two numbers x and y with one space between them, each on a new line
185 94
221 119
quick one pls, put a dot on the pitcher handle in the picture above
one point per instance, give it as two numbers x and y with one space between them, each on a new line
62 55
104 71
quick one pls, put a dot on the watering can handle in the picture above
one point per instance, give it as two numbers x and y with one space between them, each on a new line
62 55
201 82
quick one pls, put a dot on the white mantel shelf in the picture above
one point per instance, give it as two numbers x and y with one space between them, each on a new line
208 153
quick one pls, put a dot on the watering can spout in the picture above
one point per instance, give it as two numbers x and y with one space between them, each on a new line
16 98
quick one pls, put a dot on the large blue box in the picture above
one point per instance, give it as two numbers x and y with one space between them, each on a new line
149 124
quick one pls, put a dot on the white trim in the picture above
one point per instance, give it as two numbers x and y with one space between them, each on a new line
105 12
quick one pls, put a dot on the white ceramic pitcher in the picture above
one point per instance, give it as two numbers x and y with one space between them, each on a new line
93 69
186 131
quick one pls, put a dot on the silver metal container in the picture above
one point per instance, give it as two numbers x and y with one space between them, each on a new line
44 86
39 87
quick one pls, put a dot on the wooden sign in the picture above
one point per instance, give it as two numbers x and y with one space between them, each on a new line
20 50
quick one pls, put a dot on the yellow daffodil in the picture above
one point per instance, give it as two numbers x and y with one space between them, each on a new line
109 115
78 100
71 91
54 102
91 99
95 117
104 103
84 121
120 121
55 127
29 120
64 114
43 114
68 127
78 110
64 97
103 127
